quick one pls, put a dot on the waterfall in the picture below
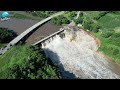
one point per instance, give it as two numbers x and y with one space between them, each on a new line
79 57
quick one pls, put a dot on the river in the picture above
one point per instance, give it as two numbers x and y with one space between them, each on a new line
20 25
79 58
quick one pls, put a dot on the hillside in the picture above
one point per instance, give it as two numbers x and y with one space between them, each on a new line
88 49
25 62
105 26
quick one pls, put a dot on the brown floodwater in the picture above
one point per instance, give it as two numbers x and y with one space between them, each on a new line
45 30
20 25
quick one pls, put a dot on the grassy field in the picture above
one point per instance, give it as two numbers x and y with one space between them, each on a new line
108 47
24 61
110 21
19 16
91 14
14 55
1 45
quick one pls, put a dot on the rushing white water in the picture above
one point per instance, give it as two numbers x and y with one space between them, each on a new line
79 56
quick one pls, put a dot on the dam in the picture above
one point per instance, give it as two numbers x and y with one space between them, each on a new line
77 56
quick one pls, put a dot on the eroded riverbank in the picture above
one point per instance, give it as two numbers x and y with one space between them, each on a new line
79 57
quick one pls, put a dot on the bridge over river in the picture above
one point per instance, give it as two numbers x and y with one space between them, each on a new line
26 32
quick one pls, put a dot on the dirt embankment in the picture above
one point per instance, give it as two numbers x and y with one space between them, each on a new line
79 57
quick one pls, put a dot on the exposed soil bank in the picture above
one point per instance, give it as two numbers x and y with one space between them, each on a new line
79 57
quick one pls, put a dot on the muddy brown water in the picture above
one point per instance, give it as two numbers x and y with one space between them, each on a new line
20 25
43 31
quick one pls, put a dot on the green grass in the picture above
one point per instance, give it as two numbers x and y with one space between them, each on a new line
110 21
108 46
31 63
1 45
67 14
20 16
14 55
91 14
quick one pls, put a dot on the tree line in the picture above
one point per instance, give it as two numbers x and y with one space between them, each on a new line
6 35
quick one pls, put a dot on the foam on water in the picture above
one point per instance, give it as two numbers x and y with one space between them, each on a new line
79 57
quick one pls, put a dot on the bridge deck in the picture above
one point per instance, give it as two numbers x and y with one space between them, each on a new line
18 38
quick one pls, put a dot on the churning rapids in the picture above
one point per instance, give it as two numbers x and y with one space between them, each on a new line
77 54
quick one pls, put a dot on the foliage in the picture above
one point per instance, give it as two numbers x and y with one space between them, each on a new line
60 20
6 35
116 51
101 14
72 14
20 16
107 34
81 14
29 63
87 23
107 28
79 20
42 14
95 27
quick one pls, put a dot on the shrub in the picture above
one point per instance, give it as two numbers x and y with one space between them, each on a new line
116 51
6 35
37 66
95 27
107 34
60 20
81 14
79 20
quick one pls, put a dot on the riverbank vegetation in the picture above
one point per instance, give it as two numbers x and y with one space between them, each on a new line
6 35
27 62
105 26
20 16
60 20
42 14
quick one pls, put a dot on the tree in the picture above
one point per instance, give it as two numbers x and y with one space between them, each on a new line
116 52
107 34
65 21
79 20
36 66
6 35
72 14
81 14
60 20
101 14
87 23
95 27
